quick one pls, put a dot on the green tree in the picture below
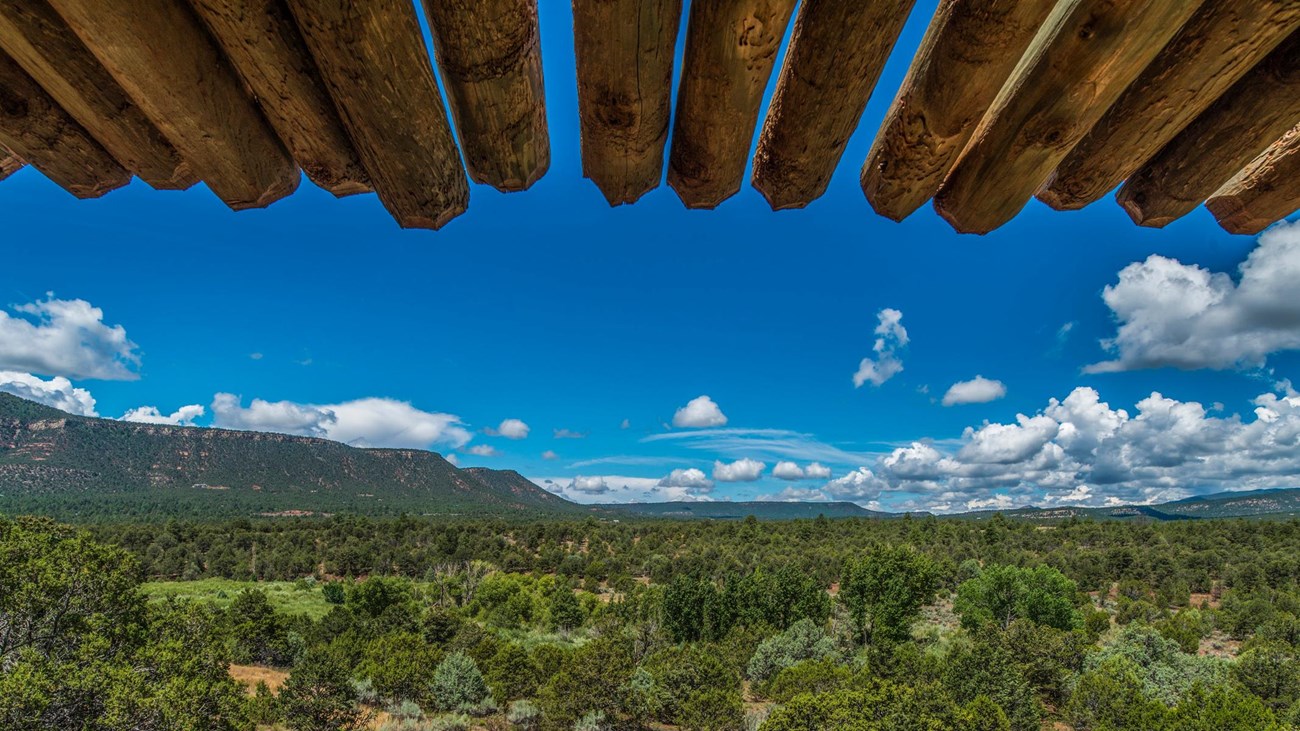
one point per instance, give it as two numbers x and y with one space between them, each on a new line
593 679
1002 594
459 686
1224 707
79 649
884 592
1110 697
565 611
319 696
1272 672
882 706
257 632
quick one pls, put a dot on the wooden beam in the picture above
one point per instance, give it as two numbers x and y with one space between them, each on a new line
836 54
263 44
1084 57
490 56
968 51
1266 191
37 129
1222 41
41 42
1261 107
9 163
169 65
372 57
731 47
625 52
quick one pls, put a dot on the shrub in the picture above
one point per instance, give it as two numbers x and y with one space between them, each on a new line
450 722
459 686
809 676
524 714
593 721
803 641
712 709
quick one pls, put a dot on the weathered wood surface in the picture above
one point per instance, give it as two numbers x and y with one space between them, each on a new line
159 51
1261 107
836 54
731 47
37 129
372 57
41 42
1266 191
1223 41
490 56
625 51
263 44
968 51
1084 57
9 163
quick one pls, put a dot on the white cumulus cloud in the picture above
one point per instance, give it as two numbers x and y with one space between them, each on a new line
698 413
891 337
57 392
1179 315
978 390
690 478
483 450
742 470
367 422
184 416
787 471
54 337
816 471
510 429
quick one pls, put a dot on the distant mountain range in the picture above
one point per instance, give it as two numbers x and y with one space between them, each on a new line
88 469
81 468
763 510
1275 504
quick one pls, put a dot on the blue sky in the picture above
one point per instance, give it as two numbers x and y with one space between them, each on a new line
551 308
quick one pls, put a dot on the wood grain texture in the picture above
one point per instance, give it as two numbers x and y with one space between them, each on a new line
1238 127
372 57
37 129
1264 192
41 42
159 51
731 47
625 51
968 51
9 162
836 54
490 56
1221 42
263 44
1083 58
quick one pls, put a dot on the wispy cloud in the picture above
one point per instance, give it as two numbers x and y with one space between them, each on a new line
771 443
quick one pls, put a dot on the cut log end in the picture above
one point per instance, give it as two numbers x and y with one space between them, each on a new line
1053 199
431 223
97 188
281 189
9 163
960 221
699 197
1234 216
891 201
1144 211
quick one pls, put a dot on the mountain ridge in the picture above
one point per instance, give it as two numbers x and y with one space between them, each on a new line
90 468
79 465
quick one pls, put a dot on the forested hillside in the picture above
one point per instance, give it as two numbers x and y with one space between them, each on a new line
915 624
86 469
